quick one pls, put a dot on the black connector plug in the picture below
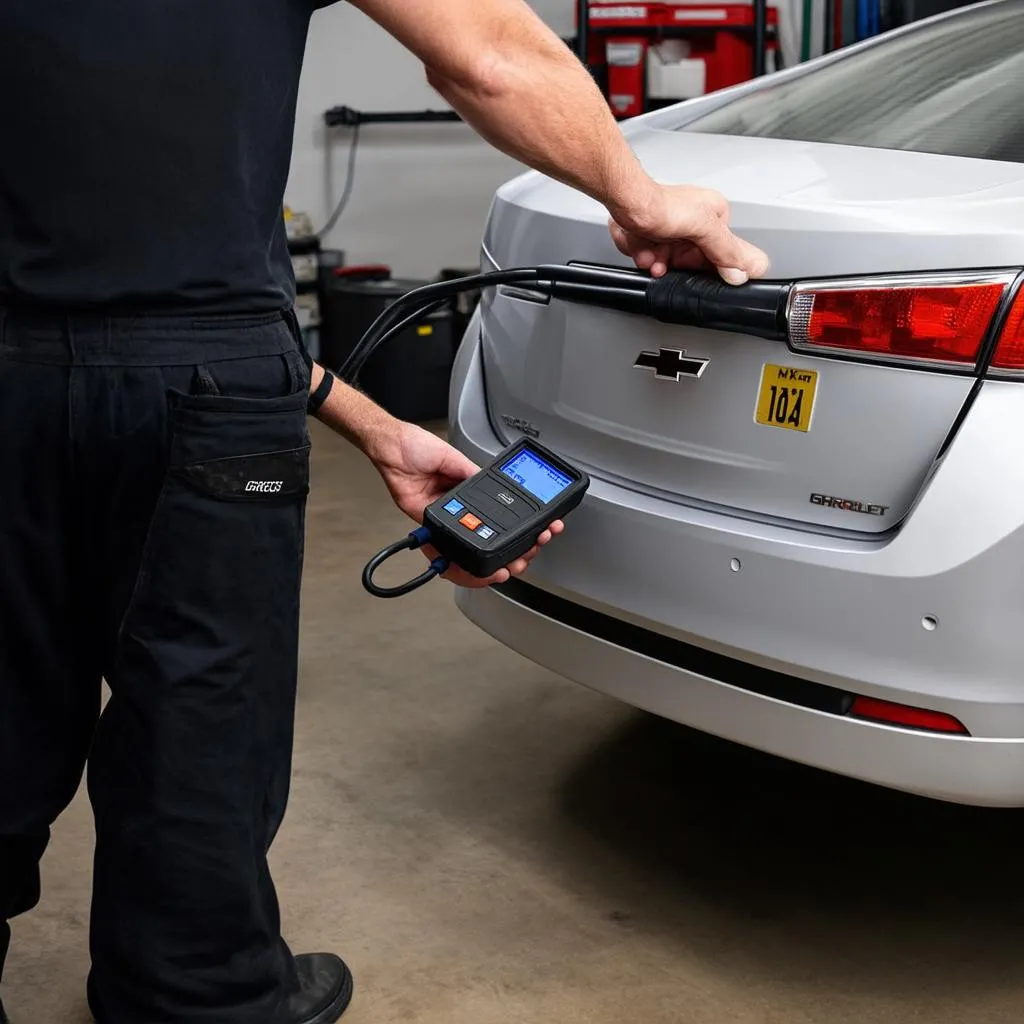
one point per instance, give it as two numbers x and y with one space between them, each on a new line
700 300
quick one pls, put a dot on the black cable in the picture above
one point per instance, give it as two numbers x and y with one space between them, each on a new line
418 298
415 540
417 314
346 192
602 280
688 298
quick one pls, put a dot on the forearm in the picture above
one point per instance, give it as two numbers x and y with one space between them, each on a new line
575 140
518 85
348 412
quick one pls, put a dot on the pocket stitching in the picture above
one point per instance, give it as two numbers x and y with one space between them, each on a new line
237 405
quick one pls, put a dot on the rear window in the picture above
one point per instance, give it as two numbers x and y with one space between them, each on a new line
953 87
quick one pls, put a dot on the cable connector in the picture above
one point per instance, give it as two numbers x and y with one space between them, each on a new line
416 539
700 300
420 536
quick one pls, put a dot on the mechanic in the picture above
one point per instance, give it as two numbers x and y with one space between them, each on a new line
148 354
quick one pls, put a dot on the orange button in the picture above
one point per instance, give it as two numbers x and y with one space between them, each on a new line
470 521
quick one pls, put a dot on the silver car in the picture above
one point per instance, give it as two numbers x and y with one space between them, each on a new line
812 545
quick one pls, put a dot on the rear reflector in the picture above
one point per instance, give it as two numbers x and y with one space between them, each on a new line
922 322
900 714
1010 348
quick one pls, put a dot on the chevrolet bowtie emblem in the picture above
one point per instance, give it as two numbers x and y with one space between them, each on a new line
670 364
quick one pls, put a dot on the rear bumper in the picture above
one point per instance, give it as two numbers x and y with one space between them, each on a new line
837 613
987 772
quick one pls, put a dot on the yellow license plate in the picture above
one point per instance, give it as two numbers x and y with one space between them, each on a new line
786 397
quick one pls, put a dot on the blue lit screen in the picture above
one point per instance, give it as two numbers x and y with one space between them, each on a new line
536 476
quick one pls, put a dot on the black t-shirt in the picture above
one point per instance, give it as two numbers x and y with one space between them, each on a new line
144 151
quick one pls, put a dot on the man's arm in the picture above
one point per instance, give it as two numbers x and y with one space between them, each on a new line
521 88
357 418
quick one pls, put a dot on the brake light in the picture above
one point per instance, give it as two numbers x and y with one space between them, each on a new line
1009 353
901 714
928 321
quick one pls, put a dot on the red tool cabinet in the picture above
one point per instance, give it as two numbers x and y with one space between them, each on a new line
718 40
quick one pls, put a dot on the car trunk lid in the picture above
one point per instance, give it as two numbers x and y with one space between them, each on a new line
727 419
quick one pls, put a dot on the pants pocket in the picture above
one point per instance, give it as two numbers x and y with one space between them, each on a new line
221 566
264 377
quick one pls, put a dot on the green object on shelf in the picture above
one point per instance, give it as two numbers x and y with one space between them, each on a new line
805 41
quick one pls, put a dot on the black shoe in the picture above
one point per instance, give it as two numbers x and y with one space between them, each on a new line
3 1016
325 990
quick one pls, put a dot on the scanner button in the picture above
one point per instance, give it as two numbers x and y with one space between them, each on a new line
505 496
454 507
470 521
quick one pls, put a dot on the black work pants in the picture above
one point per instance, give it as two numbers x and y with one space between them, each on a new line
153 480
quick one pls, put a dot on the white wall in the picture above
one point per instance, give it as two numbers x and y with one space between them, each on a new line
559 14
421 191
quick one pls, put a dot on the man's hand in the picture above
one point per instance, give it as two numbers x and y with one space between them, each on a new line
688 229
418 468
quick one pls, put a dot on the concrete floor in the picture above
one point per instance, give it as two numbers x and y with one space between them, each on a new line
488 844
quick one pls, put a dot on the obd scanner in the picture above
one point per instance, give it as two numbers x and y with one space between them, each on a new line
497 515
492 518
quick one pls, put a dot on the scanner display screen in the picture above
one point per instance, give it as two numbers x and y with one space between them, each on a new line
536 476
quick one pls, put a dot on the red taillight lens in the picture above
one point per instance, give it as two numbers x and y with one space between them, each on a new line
1010 349
900 714
931 322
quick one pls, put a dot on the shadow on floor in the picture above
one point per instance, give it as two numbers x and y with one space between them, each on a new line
772 870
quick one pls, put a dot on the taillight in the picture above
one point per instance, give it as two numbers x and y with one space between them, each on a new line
1009 354
928 320
909 717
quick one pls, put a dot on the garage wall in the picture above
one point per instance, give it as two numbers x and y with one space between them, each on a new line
558 14
421 192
